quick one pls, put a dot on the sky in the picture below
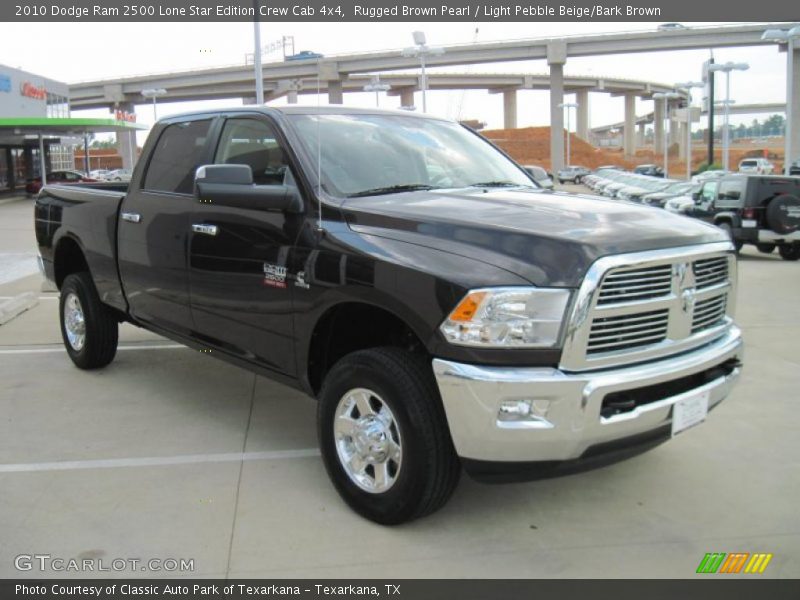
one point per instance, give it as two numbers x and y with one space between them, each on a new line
74 52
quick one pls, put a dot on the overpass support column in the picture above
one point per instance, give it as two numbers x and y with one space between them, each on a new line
629 128
792 149
658 125
582 125
640 135
335 93
556 57
407 97
510 109
682 140
126 140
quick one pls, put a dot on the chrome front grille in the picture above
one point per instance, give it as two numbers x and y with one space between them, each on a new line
636 307
710 271
627 331
622 285
709 312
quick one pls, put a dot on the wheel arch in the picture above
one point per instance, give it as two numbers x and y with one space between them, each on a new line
352 325
68 257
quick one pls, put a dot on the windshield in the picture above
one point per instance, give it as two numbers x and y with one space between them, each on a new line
370 154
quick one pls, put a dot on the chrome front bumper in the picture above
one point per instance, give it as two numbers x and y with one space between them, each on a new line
569 403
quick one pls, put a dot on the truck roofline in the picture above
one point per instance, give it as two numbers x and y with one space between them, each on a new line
300 109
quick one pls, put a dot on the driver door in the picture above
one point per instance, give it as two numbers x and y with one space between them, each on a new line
239 252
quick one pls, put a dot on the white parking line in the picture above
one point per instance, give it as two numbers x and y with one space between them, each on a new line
157 461
40 297
59 349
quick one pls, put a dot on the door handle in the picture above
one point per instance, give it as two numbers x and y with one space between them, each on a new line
131 217
205 229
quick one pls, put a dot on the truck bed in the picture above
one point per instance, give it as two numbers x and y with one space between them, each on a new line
90 224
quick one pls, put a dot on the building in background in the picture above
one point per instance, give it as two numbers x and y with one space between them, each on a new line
37 132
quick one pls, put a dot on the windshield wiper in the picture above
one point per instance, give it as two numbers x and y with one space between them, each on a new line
392 189
497 184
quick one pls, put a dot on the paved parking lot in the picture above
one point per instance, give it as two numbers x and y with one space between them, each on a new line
168 453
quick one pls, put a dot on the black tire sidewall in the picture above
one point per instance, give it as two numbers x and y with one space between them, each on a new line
91 355
790 252
398 503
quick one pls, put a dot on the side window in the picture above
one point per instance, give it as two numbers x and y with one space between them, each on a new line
731 189
708 194
254 143
178 153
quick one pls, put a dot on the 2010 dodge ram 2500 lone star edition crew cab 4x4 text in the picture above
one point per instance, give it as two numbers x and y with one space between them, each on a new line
444 310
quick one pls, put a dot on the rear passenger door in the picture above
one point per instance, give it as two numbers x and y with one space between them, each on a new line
154 227
240 250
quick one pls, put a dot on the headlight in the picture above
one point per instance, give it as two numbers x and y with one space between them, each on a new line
512 317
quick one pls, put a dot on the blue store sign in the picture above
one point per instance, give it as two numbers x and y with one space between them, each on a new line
5 83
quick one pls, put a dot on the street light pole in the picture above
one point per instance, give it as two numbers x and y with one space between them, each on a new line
688 87
782 36
154 93
727 68
376 86
258 71
666 96
422 50
568 106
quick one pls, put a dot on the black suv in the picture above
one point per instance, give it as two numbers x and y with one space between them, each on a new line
763 210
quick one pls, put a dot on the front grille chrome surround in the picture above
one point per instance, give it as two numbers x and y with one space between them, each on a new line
641 306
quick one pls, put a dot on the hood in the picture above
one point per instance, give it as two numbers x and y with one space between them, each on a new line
548 238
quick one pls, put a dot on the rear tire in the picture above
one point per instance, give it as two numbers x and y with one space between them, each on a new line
726 227
88 327
789 251
766 248
384 437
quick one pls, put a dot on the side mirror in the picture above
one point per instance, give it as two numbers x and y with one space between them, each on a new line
230 174
232 185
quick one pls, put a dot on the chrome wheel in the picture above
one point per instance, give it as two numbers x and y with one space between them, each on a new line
74 323
367 439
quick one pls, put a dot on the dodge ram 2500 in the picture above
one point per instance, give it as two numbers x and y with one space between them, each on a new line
446 312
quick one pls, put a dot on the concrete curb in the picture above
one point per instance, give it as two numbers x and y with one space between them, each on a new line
16 306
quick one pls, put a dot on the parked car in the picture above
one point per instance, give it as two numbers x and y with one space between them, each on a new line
61 177
794 168
643 186
763 210
650 170
758 166
540 176
671 27
674 190
680 204
452 319
573 174
99 174
119 175
304 55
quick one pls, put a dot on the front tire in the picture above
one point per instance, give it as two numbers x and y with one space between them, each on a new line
765 248
88 327
384 436
789 251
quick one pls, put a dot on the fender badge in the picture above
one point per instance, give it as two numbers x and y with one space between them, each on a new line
274 275
301 280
